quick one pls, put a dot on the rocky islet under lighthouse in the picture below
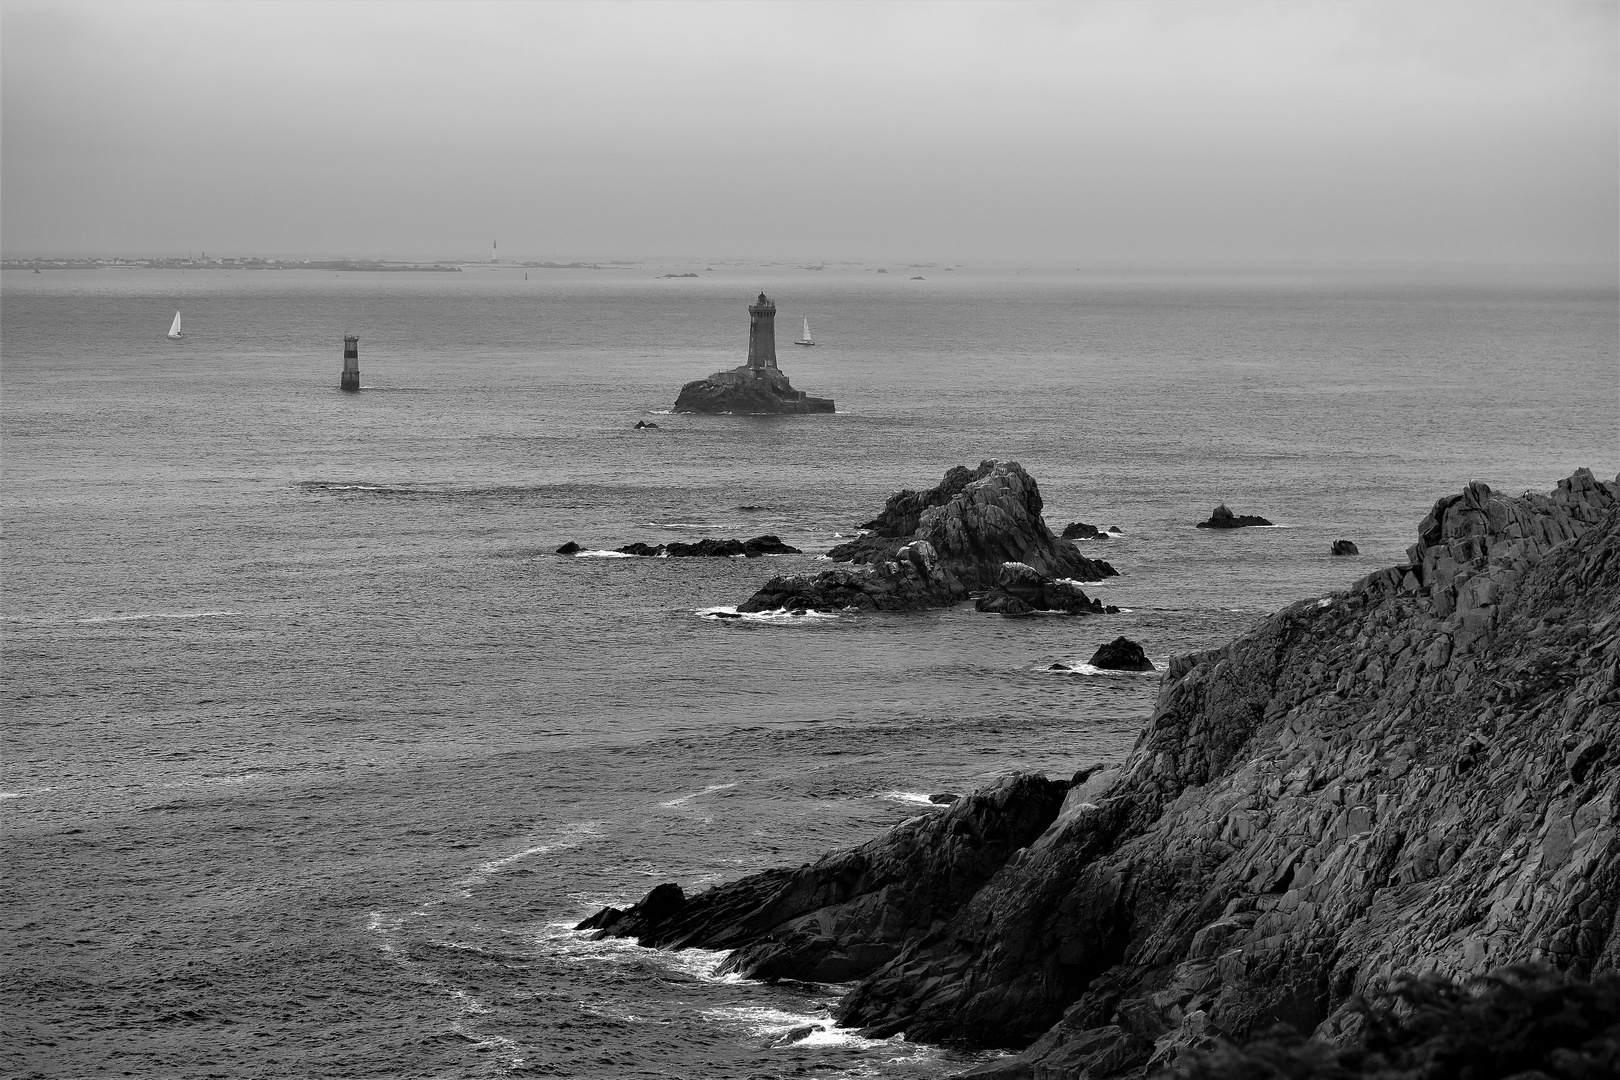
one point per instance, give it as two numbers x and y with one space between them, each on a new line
757 386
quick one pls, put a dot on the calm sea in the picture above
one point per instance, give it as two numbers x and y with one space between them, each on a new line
314 751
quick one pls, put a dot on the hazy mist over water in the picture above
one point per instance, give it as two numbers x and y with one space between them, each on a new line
1074 134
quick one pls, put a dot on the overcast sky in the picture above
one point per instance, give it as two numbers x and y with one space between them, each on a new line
1083 133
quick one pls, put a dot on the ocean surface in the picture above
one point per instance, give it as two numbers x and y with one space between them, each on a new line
313 751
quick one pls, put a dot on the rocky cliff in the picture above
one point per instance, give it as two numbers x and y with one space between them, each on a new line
1415 774
1421 773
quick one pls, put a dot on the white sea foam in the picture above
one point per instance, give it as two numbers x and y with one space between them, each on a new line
764 1022
604 555
577 946
684 799
728 612
566 837
909 798
1087 669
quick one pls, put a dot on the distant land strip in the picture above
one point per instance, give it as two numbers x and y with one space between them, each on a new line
372 265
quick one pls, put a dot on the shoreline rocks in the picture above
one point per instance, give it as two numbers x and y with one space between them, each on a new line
1422 771
748 389
1222 518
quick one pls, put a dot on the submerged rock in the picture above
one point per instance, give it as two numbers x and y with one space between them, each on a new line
569 548
1223 518
1345 547
769 544
1079 530
748 390
1121 654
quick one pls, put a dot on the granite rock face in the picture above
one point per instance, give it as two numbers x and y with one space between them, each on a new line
846 914
748 390
1223 518
974 523
1421 773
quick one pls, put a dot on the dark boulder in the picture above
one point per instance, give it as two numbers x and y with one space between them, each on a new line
647 551
1079 530
569 548
646 425
912 581
1344 547
1121 654
1223 518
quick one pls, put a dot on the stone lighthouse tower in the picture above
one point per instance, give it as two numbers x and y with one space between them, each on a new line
762 333
350 379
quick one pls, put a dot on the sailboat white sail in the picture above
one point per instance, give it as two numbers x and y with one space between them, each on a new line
174 331
808 340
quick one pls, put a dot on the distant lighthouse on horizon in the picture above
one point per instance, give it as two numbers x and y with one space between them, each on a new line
494 251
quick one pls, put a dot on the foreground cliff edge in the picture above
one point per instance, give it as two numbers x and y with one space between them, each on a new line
1417 774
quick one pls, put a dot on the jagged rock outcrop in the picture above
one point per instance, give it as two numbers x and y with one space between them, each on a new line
768 544
1080 530
1420 773
1345 547
1020 590
976 520
844 915
973 524
748 390
1223 518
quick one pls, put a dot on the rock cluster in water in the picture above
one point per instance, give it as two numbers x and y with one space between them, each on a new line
767 544
932 548
1222 518
1345 547
748 390
1421 772
1080 530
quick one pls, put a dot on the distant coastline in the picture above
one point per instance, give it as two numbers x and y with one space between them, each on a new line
368 265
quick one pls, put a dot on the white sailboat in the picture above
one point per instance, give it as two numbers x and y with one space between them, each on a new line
174 331
808 340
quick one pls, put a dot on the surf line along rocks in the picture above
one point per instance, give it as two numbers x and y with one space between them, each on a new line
1421 771
931 548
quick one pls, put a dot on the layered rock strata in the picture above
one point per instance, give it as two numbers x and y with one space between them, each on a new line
1421 773
748 390
1414 774
933 548
844 915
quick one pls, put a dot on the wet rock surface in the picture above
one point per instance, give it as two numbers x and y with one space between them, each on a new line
1345 547
747 390
1121 654
1019 590
1079 530
1222 518
846 914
